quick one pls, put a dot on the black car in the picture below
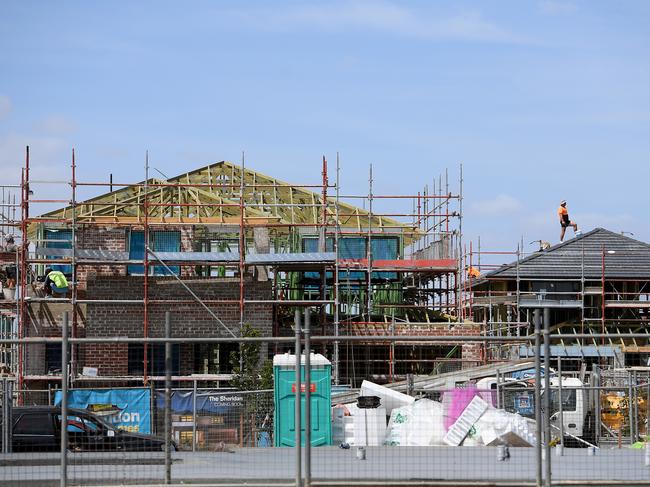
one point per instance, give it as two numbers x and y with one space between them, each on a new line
38 428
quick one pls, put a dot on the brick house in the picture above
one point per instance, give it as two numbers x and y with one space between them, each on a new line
212 234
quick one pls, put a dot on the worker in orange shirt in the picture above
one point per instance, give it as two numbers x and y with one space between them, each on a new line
563 214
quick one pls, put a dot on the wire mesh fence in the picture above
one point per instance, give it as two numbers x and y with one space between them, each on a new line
516 422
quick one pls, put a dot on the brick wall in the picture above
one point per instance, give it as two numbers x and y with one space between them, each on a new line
100 238
189 318
470 351
111 359
116 238
44 320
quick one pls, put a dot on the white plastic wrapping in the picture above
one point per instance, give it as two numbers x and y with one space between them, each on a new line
418 424
390 399
499 427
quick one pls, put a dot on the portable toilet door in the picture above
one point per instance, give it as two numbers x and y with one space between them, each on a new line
284 368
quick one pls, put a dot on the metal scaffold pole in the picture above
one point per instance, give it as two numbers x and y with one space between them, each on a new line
73 301
242 256
460 243
369 245
307 332
337 371
547 396
23 275
298 412
538 397
168 399
64 399
145 313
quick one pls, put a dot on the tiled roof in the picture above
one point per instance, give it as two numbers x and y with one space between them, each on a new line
624 258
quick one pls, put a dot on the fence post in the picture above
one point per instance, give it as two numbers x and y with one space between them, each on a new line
630 406
498 398
7 420
64 400
547 396
297 419
194 429
168 398
307 398
596 397
538 398
647 408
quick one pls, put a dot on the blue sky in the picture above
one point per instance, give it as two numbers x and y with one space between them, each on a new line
540 100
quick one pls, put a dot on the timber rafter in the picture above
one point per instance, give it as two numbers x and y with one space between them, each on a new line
210 195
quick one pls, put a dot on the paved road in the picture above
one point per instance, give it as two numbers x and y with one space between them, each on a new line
267 465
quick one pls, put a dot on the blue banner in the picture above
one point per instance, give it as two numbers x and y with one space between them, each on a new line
125 409
206 402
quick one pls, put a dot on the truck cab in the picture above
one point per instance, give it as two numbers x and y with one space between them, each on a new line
578 415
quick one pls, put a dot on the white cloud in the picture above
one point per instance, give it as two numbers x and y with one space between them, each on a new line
56 125
5 106
385 17
553 7
502 204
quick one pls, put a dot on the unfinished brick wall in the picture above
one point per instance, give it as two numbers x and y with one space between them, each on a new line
117 238
470 351
189 318
45 320
100 238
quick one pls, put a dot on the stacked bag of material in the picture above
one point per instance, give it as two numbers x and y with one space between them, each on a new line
417 424
463 418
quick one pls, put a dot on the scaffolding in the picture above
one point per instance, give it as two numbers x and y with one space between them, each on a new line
238 225
595 302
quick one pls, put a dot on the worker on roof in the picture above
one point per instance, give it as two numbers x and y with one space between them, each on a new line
473 272
565 222
55 283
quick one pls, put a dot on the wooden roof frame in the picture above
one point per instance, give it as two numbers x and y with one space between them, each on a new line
210 195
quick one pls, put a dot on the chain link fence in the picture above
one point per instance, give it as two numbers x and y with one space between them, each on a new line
468 422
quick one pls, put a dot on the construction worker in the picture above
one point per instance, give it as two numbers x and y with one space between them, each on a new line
55 282
473 272
10 270
10 244
565 222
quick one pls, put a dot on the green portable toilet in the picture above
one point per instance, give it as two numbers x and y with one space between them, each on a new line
284 375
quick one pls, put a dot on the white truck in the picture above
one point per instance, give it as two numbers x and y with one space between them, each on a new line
578 412
518 396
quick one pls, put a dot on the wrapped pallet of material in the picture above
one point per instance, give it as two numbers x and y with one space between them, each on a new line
419 424
465 422
390 399
369 426
398 425
498 427
426 427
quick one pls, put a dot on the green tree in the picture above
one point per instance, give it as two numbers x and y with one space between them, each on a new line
250 371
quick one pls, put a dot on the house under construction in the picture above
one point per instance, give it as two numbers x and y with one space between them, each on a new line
597 283
224 246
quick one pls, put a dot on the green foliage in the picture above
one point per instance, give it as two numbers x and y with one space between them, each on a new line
250 372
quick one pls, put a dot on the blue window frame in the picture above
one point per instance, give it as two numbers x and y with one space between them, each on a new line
160 241
59 239
383 248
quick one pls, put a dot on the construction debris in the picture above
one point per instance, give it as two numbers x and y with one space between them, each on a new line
421 422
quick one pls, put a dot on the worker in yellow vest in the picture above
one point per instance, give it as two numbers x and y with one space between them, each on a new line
55 283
